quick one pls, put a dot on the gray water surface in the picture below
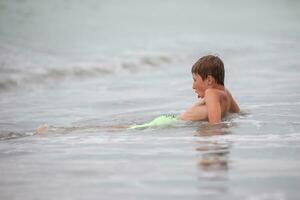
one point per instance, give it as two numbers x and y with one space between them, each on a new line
86 69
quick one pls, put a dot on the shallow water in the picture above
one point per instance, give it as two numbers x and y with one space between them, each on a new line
84 69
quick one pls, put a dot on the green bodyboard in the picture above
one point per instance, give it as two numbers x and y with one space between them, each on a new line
158 121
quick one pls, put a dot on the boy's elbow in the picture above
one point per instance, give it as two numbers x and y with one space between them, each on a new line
215 116
236 109
214 121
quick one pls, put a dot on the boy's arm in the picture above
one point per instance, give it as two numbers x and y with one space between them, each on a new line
213 105
195 113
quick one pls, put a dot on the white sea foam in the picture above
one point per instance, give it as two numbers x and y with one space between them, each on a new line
272 105
293 137
267 196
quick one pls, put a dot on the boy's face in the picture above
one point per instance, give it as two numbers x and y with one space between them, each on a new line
199 85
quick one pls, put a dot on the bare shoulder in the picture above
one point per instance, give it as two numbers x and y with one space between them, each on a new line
212 93
217 97
223 98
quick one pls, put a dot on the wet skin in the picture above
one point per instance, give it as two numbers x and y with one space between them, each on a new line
214 101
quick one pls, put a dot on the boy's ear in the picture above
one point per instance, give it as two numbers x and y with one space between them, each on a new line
210 79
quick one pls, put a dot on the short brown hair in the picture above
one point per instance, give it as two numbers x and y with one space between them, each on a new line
210 65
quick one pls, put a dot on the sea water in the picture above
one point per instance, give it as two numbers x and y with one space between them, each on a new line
84 70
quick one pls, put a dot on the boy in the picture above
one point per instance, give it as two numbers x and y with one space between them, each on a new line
214 99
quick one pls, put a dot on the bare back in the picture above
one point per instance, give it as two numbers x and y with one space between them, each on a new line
199 111
226 102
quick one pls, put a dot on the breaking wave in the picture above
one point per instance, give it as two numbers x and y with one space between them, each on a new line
23 67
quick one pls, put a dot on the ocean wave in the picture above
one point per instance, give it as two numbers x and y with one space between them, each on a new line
23 67
14 135
263 105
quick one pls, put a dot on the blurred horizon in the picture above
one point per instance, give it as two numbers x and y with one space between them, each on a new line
73 28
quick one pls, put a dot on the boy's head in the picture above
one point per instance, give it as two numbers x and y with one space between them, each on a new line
210 65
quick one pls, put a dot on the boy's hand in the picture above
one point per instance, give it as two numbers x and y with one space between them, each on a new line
201 101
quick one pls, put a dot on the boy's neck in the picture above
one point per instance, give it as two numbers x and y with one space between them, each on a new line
217 86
